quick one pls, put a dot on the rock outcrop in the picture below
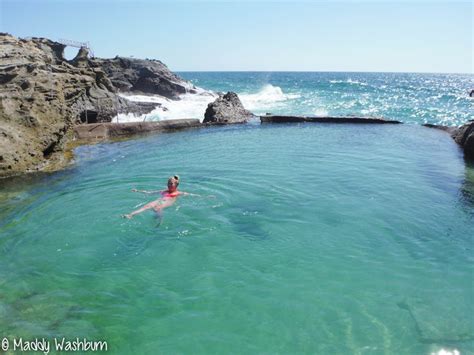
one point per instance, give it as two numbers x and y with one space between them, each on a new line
42 95
464 136
81 60
226 109
143 76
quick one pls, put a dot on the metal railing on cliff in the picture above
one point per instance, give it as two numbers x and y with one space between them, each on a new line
77 44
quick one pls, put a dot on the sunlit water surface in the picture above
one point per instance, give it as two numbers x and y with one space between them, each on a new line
408 97
320 239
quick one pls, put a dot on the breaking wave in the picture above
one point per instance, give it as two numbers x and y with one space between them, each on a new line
189 106
411 98
268 97
194 105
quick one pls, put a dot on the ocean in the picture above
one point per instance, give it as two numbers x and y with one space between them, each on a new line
409 97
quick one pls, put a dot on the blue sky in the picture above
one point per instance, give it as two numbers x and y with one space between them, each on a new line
216 35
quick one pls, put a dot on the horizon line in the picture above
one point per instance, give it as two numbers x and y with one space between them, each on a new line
317 71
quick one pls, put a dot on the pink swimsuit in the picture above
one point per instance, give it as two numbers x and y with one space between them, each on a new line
169 195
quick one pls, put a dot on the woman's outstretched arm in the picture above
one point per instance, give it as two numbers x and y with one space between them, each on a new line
147 192
190 194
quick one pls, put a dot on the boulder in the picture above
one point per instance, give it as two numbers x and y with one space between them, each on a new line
226 109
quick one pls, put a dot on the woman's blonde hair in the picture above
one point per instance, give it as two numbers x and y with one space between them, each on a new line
174 178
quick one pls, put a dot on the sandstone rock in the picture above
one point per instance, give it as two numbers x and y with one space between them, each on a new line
41 96
226 109
82 58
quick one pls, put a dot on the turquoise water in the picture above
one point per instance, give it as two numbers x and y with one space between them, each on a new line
408 97
320 239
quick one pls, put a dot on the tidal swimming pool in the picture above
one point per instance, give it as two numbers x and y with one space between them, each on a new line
320 239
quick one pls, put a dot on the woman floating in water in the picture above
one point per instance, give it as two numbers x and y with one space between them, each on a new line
168 197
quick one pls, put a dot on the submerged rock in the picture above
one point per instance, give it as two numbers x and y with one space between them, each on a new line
226 109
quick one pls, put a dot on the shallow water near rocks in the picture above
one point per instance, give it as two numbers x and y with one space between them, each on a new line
320 239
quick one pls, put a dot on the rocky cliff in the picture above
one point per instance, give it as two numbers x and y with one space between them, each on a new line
42 95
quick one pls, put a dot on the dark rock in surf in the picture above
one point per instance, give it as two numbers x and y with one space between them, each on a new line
226 109
148 76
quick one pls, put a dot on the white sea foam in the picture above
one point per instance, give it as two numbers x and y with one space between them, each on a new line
320 112
268 97
194 105
446 352
189 106
348 81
